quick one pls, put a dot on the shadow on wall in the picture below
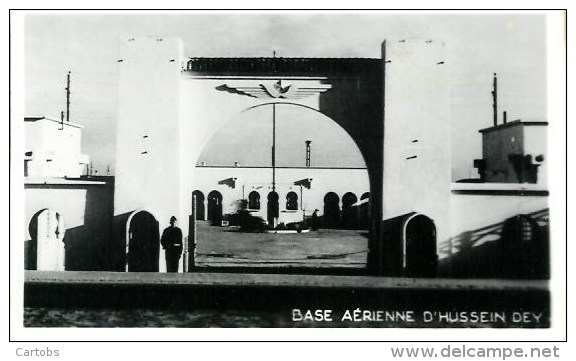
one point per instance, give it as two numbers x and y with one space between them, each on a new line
30 250
31 245
88 247
118 246
517 248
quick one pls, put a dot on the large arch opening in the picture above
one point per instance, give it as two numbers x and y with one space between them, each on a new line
45 251
143 243
273 166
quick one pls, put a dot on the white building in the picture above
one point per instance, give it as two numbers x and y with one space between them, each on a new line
53 148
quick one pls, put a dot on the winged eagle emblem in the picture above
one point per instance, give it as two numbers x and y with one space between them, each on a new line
276 90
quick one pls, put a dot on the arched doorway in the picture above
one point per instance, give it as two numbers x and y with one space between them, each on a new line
331 217
254 200
215 208
420 252
45 250
273 209
143 244
268 152
291 201
349 211
364 211
198 199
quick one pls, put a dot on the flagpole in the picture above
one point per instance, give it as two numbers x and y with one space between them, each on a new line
274 158
273 147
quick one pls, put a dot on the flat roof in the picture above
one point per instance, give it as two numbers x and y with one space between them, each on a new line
60 181
37 118
491 188
511 124
283 66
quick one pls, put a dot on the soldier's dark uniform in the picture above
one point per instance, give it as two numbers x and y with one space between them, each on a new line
172 243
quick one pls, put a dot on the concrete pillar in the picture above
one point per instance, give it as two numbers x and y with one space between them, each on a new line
148 155
417 150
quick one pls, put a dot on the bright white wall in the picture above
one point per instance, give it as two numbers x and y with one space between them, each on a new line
417 123
473 211
148 148
56 149
339 181
70 203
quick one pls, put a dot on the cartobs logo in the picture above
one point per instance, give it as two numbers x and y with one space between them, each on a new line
37 352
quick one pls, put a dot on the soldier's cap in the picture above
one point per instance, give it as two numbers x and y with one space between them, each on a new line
172 219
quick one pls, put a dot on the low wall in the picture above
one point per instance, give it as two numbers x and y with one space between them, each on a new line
86 208
478 213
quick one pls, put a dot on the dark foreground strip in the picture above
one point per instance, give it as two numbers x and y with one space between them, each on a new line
282 294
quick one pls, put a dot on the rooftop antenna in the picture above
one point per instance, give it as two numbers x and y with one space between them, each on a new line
495 99
68 97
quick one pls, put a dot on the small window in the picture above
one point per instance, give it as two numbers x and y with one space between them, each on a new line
254 200
291 201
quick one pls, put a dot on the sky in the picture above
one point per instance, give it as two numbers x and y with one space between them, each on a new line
330 145
513 45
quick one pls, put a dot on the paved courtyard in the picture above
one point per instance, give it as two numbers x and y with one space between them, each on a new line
226 246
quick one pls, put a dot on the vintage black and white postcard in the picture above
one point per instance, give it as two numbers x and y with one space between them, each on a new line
380 170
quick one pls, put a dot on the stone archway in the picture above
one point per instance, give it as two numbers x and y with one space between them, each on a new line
348 91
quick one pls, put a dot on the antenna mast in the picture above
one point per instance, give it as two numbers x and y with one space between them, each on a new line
68 97
495 99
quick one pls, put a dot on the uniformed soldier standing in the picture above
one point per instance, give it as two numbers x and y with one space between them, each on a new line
172 243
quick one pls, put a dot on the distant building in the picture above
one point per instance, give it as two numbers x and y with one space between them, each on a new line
341 195
514 152
53 148
67 215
